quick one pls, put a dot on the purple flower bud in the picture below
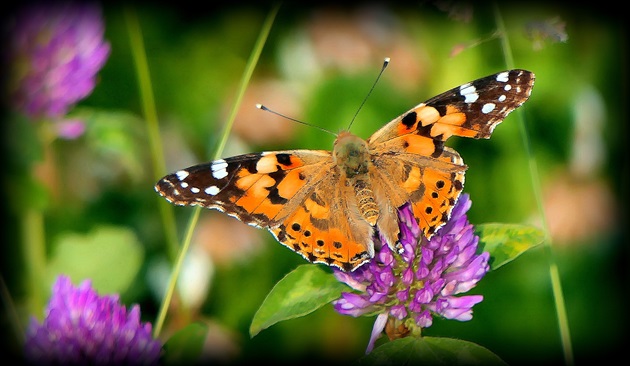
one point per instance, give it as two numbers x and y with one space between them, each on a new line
402 295
460 308
398 311
407 276
379 325
424 319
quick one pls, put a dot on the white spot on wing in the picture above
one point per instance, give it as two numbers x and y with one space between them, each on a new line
487 108
212 190
218 169
469 92
503 77
194 190
502 98
184 185
508 87
181 174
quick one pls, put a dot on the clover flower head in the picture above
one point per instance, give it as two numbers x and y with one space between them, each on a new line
83 328
409 288
55 51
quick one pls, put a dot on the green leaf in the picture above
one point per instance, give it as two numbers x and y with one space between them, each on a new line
302 291
109 256
185 346
505 242
430 351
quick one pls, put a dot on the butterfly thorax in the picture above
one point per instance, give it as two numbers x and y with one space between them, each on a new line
352 157
351 154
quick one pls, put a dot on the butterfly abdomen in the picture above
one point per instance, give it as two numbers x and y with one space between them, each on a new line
352 156
365 201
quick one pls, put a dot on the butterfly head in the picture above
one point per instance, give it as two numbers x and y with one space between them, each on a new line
350 152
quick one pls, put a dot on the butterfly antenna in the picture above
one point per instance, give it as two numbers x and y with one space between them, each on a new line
385 63
260 106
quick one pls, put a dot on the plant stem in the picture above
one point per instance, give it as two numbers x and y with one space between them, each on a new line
249 69
153 129
556 283
32 221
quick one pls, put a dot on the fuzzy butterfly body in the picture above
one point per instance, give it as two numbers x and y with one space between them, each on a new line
329 206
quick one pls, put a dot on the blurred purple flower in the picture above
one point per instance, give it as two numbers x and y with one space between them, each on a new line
83 328
408 289
55 52
69 128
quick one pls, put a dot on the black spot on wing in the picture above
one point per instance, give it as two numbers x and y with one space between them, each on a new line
438 148
441 108
281 235
409 120
284 159
247 161
275 197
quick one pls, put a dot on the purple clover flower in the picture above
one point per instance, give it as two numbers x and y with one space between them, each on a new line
408 289
83 328
55 52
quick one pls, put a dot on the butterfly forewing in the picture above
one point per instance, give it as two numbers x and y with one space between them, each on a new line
254 188
435 173
307 201
290 193
474 109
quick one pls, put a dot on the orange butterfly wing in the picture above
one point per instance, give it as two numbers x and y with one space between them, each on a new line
294 194
432 175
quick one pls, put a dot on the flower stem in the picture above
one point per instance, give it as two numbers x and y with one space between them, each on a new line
150 117
32 221
247 74
556 283
249 70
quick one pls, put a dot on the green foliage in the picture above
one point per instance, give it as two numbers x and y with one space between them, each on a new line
505 242
186 345
430 351
110 256
304 290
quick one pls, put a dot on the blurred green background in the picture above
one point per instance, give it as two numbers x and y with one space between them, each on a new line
101 215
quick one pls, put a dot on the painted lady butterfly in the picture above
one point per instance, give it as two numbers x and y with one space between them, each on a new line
328 205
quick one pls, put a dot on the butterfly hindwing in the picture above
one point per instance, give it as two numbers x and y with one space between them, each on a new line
323 229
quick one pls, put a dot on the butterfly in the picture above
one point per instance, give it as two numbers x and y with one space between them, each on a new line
329 206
